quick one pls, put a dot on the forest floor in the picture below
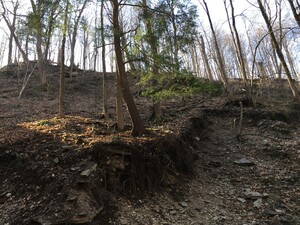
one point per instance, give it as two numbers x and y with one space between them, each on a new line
193 167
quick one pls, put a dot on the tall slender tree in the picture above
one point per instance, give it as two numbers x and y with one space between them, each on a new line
62 63
36 20
278 51
104 89
73 36
12 28
242 61
138 125
295 5
220 59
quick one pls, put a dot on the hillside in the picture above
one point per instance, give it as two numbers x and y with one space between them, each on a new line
195 166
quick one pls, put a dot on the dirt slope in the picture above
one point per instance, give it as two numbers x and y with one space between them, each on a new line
191 169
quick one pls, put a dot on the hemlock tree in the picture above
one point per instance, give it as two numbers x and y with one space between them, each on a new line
165 36
152 40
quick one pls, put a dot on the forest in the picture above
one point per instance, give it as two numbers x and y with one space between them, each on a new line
149 112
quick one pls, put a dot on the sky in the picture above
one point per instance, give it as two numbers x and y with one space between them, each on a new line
216 8
217 11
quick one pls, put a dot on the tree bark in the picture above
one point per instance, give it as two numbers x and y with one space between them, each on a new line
205 59
37 11
119 102
104 91
62 65
138 125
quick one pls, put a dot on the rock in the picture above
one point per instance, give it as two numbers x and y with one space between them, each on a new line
84 209
274 212
252 194
173 212
80 207
286 220
257 203
123 221
265 142
183 204
89 171
242 200
244 162
66 147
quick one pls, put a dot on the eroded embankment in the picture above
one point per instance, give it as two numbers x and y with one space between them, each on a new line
46 181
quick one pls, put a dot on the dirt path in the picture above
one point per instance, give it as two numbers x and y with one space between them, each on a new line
266 192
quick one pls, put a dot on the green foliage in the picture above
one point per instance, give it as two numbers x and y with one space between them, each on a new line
43 123
169 85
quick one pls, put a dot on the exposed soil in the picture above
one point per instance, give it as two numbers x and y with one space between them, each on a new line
195 166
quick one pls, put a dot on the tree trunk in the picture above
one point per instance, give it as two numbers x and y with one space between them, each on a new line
279 52
152 41
104 91
11 37
219 55
294 10
62 65
119 102
50 27
13 34
74 38
205 59
37 11
41 61
239 51
138 125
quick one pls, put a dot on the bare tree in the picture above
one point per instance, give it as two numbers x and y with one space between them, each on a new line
239 51
138 125
12 29
74 35
218 52
104 89
294 7
205 58
62 63
278 51
37 15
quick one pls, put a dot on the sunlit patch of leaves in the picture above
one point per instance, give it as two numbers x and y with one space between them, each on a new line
76 130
